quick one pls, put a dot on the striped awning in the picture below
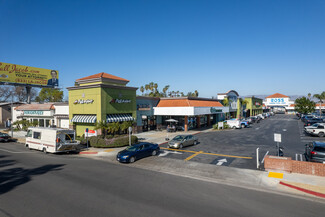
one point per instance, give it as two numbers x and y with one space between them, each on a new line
84 119
119 118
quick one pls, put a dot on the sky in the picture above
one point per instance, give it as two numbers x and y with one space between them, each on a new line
253 47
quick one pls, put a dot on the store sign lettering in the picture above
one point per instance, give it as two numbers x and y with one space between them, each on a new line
81 101
143 107
277 101
213 110
120 101
33 112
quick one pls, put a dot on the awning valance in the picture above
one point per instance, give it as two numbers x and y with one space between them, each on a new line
119 118
84 119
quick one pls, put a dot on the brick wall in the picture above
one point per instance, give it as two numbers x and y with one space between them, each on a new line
288 165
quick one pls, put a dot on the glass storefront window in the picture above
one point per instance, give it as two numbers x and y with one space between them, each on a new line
41 122
47 123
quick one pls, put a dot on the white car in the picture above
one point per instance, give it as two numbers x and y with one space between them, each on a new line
260 115
317 129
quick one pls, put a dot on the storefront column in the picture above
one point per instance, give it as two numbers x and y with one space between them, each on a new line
186 123
198 124
209 120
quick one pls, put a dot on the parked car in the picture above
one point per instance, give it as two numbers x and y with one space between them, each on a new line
315 151
181 141
317 129
4 137
137 151
234 124
312 121
261 116
304 118
244 123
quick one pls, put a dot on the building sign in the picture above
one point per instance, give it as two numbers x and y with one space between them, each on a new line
277 101
143 107
120 101
213 110
18 74
90 133
31 112
82 101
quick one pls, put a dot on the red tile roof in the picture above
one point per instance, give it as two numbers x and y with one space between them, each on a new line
103 75
43 107
188 103
277 95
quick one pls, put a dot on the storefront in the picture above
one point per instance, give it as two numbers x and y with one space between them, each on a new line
278 103
146 120
231 100
42 114
100 97
190 112
254 106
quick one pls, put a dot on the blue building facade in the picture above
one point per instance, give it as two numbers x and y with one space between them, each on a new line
146 120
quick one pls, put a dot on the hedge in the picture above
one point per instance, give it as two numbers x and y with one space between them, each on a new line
111 142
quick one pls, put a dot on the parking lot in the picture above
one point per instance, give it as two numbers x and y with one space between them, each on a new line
237 148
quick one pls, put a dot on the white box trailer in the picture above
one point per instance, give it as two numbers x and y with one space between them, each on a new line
51 140
234 124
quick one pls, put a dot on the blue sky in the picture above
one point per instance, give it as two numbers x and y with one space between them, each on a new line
253 47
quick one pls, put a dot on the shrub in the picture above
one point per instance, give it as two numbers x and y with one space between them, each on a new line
113 142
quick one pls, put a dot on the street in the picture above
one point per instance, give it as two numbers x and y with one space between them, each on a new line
237 148
36 184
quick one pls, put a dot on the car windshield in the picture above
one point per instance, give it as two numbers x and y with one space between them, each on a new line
131 148
315 125
178 138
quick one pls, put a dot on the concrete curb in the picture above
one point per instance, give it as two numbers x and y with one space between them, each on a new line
303 190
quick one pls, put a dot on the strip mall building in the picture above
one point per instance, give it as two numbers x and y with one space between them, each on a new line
100 97
190 112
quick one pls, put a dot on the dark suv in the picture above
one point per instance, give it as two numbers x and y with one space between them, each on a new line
315 151
312 121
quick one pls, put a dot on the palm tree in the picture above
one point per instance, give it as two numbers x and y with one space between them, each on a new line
155 86
142 90
196 93
321 98
165 90
114 127
309 95
146 87
103 126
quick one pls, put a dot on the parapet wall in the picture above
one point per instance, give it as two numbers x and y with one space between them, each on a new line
288 165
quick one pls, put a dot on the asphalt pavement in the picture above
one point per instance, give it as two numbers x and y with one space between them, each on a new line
36 184
237 147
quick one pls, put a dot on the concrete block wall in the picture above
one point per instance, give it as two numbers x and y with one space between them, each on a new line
286 164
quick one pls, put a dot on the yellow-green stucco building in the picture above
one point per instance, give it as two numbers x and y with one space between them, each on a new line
100 97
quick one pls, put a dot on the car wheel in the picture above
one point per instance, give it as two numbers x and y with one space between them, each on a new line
44 150
321 134
154 152
132 159
195 142
181 146
243 126
233 127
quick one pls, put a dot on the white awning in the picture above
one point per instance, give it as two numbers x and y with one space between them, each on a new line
84 119
119 118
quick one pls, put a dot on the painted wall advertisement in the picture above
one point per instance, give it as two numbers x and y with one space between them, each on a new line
18 74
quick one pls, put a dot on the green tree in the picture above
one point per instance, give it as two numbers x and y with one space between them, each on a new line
321 98
142 90
103 126
114 127
50 95
125 126
225 102
304 105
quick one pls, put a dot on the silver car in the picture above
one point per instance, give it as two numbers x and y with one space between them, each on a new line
181 141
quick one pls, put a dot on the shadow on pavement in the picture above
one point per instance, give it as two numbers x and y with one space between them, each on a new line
11 178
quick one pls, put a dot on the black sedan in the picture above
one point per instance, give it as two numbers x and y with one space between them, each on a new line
315 151
137 151
4 137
